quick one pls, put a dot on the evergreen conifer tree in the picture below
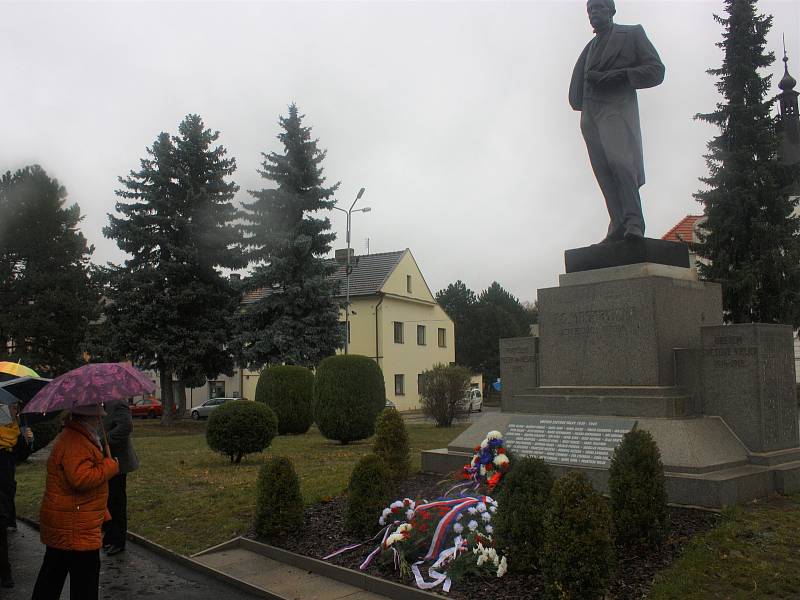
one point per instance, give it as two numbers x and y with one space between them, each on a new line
750 243
47 298
296 320
170 307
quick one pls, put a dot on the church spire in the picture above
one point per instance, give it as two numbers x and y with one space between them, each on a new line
789 119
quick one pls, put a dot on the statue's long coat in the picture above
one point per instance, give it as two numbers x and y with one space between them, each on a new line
628 48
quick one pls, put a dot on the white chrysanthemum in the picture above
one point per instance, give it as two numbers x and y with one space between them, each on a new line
494 435
409 514
489 529
473 525
481 559
396 504
500 460
404 527
480 507
486 516
472 510
382 521
458 527
492 509
502 567
484 444
458 516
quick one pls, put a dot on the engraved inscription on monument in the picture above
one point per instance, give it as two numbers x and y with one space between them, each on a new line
565 440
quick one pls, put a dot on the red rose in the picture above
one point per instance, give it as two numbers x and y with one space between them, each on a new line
501 450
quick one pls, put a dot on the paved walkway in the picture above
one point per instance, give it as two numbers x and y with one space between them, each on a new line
133 574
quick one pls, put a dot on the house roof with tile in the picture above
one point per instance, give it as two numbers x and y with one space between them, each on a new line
684 230
369 273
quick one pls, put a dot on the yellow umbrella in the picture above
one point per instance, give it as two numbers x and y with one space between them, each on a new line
16 370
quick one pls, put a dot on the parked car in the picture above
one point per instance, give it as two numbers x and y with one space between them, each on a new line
207 407
473 400
149 408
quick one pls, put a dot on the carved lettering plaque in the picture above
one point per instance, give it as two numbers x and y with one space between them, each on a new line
586 442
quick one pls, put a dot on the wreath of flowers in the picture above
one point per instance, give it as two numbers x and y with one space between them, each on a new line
489 463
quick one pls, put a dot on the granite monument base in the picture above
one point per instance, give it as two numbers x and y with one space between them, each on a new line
704 462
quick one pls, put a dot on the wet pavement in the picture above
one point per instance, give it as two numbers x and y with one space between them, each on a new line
135 573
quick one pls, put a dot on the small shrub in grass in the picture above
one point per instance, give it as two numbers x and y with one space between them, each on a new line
391 443
369 491
443 393
636 486
349 394
241 427
279 505
288 390
522 499
577 556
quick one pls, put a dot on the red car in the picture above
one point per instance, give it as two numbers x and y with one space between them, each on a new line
147 408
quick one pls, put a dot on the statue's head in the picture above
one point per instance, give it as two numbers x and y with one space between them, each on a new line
601 13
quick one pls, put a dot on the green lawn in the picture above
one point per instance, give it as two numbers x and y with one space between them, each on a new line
754 553
187 498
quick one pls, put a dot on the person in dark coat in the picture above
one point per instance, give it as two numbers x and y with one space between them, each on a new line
618 61
119 426
14 448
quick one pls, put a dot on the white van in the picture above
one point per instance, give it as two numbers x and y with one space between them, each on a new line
473 400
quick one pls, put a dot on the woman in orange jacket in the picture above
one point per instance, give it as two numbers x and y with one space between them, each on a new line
74 508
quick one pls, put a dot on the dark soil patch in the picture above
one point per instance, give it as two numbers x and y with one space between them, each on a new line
323 533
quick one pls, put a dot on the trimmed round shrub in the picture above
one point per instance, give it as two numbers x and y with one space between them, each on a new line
522 499
279 504
288 390
391 443
636 486
349 394
241 427
368 493
577 556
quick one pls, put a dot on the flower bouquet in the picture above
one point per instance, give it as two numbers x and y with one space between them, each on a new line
488 465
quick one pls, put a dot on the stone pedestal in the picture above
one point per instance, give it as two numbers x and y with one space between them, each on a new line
518 366
749 381
622 332
641 344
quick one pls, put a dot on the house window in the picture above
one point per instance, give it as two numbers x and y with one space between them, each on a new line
398 332
216 389
399 385
421 384
345 329
420 335
408 283
442 337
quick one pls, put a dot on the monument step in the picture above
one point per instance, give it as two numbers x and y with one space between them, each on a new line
605 390
594 401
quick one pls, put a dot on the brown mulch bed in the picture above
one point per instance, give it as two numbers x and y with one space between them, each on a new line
323 533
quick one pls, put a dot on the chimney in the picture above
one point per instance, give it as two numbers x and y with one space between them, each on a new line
341 255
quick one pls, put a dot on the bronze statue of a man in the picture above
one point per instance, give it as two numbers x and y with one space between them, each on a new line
613 65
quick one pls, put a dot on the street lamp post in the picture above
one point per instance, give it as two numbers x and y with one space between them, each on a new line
348 268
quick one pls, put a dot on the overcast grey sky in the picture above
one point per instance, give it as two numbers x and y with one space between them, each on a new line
453 115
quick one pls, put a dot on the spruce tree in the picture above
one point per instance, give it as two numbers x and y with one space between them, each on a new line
170 307
47 298
750 243
296 320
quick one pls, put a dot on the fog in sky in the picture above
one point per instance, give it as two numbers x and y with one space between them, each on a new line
452 115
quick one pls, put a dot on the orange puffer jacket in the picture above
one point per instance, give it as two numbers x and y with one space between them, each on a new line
75 495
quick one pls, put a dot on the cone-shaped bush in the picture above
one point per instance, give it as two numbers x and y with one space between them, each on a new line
279 505
522 499
369 492
637 488
578 554
241 427
391 443
349 394
288 390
